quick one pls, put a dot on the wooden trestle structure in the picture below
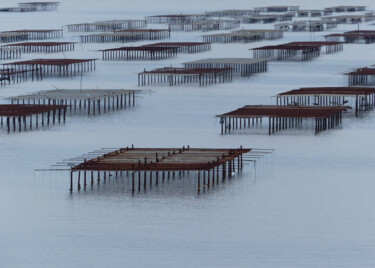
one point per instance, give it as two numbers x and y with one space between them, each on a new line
11 75
245 36
306 26
111 37
18 9
281 117
8 53
106 26
188 47
60 67
13 37
241 66
158 164
149 34
23 115
362 77
233 13
331 47
38 34
363 98
345 8
47 47
232 37
204 26
41 6
268 18
312 13
283 52
276 9
350 19
140 52
296 50
174 18
363 37
129 35
92 100
264 34
176 76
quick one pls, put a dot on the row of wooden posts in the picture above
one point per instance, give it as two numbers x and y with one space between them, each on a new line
229 123
50 69
129 54
203 79
213 25
242 69
361 80
31 48
361 102
10 53
106 26
231 38
205 178
21 121
10 75
277 124
285 54
9 38
92 105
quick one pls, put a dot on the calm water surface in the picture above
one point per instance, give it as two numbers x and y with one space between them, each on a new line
310 204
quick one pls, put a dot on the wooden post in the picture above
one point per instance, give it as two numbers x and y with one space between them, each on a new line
132 182
71 182
199 181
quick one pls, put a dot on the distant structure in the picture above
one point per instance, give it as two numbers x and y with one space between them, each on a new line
46 47
240 66
244 36
107 26
139 53
350 19
204 26
345 8
18 9
360 37
312 13
36 34
130 35
306 26
175 18
149 34
296 50
276 8
268 18
233 13
175 76
111 38
41 6
184 47
32 7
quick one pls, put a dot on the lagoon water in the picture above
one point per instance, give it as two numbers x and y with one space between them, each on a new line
310 204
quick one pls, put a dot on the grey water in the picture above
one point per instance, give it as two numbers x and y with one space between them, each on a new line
310 204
